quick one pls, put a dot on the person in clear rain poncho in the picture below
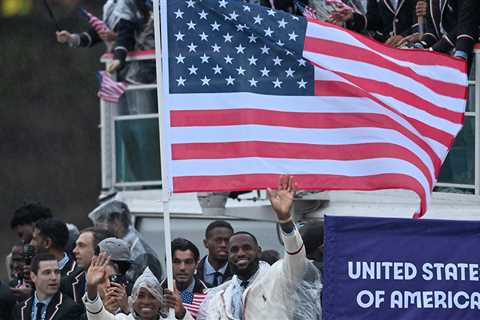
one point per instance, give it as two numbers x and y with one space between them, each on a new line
290 289
114 216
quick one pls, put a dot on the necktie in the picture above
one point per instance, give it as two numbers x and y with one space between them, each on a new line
216 278
40 307
244 284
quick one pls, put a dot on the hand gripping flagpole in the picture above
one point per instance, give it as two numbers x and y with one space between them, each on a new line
421 22
161 24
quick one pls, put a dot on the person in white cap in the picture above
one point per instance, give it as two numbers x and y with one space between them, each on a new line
146 300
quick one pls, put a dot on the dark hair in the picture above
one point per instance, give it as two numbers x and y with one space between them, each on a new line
312 236
246 233
123 217
44 256
29 213
99 234
184 245
123 266
54 229
270 256
279 4
218 224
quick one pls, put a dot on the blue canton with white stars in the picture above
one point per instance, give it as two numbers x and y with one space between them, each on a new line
231 46
187 297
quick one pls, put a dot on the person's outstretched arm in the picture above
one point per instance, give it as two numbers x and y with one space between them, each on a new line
282 201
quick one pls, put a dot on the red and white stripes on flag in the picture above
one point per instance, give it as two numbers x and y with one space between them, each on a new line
110 90
194 307
418 98
381 118
95 22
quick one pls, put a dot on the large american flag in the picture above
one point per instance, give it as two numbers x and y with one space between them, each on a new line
253 93
192 302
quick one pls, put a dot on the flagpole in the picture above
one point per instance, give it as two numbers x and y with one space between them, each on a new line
168 250
163 150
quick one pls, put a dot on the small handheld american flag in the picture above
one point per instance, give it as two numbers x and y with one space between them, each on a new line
110 90
339 5
192 302
309 13
95 22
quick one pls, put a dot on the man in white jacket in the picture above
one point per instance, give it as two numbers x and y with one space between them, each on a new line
257 290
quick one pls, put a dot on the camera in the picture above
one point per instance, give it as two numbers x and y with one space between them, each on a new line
28 253
119 278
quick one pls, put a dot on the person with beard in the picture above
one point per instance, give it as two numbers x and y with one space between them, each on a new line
214 269
257 290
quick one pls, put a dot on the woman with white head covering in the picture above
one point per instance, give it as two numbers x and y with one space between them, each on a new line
146 300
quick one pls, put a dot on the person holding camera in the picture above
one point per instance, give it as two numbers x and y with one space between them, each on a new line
146 299
23 224
20 283
113 290
49 236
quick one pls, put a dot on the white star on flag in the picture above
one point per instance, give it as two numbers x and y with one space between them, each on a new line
205 81
230 80
253 82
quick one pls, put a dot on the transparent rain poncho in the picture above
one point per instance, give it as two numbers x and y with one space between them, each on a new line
307 297
104 212
302 298
148 281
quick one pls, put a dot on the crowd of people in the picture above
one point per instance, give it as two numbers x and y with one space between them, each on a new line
447 26
112 273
